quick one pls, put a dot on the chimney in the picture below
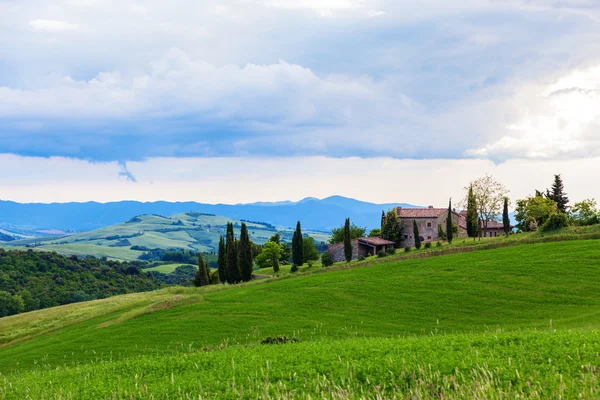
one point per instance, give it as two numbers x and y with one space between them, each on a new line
430 206
454 209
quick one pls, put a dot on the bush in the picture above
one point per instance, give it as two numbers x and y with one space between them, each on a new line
428 245
310 263
381 254
531 224
391 251
439 243
294 268
555 222
361 258
327 259
407 249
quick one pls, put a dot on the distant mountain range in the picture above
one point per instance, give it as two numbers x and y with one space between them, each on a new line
315 214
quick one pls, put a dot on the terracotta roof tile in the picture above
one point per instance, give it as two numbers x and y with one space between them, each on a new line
375 241
421 212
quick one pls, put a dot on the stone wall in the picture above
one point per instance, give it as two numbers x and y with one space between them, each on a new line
428 228
337 251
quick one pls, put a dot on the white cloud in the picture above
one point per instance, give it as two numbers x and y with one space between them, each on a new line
49 25
561 119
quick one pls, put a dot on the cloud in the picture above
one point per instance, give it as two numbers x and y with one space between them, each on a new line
50 25
125 172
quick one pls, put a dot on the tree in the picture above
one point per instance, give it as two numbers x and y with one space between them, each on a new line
309 250
506 217
416 234
297 256
534 209
231 249
375 232
201 278
382 219
276 238
286 253
222 261
489 195
449 231
337 234
392 229
269 256
558 194
585 213
245 254
327 259
471 213
347 241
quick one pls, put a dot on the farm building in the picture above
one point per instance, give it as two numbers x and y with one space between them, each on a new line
360 247
428 219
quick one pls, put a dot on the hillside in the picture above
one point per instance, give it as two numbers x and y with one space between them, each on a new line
39 219
129 240
521 287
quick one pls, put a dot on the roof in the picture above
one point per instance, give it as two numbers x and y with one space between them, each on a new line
429 212
375 241
462 222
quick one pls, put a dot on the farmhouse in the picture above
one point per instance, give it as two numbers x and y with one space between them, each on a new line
494 228
360 248
428 220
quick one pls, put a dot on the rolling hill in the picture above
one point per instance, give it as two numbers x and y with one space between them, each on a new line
321 215
129 240
487 324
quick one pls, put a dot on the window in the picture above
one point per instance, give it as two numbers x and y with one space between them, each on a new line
405 236
429 224
428 237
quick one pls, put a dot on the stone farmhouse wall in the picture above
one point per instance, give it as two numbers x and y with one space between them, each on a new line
428 228
337 251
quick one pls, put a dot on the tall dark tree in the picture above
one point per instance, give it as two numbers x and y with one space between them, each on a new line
471 214
558 194
347 241
382 219
297 249
222 261
392 228
245 254
201 278
416 234
449 225
506 217
233 269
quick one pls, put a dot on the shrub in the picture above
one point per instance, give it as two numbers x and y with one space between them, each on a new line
278 340
439 243
361 258
294 268
381 254
368 255
428 245
407 249
310 263
555 222
391 251
327 259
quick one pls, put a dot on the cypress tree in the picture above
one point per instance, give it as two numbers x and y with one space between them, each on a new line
449 233
347 241
297 248
201 278
233 270
505 217
245 254
558 194
222 261
471 214
416 234
382 220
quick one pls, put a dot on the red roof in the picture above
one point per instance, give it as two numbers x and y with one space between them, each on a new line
375 241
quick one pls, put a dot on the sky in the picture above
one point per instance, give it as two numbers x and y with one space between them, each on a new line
236 101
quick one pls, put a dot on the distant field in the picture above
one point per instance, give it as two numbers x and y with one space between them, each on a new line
521 287
166 268
189 231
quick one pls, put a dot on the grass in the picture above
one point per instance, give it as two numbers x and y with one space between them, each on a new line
521 287
538 365
167 268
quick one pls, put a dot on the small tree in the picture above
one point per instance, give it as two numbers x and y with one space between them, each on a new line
310 251
201 278
506 217
585 213
558 194
231 250
245 254
297 256
347 241
449 231
471 214
327 259
375 232
221 261
392 229
417 234
337 234
269 256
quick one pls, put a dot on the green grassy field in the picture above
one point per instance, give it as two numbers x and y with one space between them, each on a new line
166 268
521 287
190 231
